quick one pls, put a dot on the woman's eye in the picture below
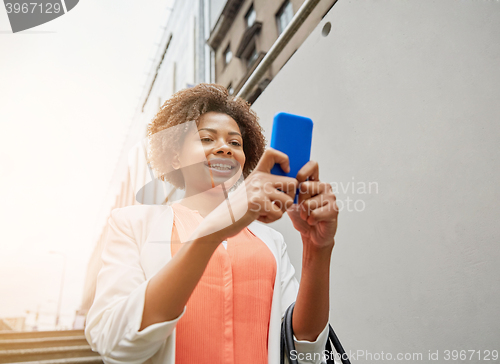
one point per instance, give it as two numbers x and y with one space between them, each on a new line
206 139
236 143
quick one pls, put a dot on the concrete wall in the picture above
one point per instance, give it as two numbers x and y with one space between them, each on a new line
404 95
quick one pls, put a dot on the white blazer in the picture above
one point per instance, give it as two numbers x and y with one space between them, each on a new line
137 247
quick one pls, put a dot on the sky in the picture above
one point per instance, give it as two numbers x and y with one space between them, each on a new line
68 92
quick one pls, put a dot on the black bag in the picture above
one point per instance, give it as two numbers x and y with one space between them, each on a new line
287 343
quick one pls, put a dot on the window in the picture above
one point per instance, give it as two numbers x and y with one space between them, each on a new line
230 89
284 16
228 55
250 16
252 57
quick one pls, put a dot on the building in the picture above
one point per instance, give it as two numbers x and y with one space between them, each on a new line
244 31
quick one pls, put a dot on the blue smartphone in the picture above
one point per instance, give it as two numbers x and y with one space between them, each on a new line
292 135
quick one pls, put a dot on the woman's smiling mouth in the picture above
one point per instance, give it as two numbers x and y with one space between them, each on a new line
221 166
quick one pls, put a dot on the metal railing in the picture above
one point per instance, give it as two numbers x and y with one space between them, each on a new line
302 14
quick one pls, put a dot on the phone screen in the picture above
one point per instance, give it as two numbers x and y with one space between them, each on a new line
292 135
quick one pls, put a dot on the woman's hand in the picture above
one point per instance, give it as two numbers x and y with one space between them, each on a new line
263 196
269 196
315 216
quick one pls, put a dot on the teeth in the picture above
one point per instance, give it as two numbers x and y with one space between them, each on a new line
221 166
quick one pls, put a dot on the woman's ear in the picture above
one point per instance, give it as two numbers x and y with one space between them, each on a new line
175 162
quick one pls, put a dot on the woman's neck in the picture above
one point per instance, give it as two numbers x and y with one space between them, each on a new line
204 202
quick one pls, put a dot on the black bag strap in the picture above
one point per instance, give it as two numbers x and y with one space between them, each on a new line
288 345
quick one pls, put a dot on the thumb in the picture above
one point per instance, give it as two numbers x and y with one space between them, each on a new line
270 158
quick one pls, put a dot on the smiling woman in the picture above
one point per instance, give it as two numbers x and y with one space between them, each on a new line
190 104
202 271
219 145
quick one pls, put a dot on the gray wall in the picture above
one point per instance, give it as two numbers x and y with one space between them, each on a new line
404 94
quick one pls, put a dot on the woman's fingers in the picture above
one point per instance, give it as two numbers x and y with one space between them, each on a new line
270 211
281 200
309 189
273 206
265 183
323 202
270 158
268 201
310 171
327 212
283 184
271 195
308 206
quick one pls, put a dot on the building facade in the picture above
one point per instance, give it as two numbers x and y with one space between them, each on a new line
245 30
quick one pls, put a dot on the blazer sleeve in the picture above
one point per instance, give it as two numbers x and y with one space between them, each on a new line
114 320
308 352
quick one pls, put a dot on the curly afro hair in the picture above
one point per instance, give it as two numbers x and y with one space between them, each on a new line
188 105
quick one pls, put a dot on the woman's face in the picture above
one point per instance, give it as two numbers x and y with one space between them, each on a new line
219 145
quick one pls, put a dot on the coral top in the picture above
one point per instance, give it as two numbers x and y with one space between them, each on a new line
227 316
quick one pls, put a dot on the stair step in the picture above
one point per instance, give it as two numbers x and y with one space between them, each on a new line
42 342
41 354
81 360
11 335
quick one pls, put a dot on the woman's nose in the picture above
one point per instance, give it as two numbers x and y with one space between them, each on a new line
223 148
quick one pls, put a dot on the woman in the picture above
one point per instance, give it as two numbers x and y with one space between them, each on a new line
199 280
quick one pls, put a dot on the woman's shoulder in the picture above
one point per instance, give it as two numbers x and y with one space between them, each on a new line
138 217
139 211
